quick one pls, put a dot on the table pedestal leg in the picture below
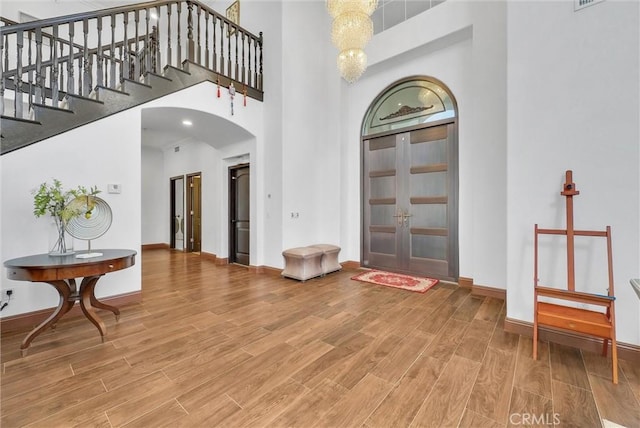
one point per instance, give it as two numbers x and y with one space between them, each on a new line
98 304
64 305
87 299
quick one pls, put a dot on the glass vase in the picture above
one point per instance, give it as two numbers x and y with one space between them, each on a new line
60 242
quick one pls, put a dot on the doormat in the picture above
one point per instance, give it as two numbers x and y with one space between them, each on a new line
396 280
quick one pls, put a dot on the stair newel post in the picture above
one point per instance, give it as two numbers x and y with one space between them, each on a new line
112 53
70 87
169 34
54 67
18 99
199 36
179 35
147 44
86 81
259 83
39 93
190 42
206 38
136 64
2 83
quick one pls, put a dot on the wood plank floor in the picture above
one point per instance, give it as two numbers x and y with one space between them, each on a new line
219 346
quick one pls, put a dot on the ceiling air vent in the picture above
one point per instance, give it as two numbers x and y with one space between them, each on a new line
581 4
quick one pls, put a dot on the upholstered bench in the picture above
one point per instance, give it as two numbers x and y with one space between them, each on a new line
329 257
302 263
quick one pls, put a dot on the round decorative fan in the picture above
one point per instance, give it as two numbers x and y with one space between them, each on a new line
93 219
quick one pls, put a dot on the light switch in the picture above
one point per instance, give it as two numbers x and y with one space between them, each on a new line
114 188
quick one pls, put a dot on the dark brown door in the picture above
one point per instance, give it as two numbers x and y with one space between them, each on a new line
194 211
410 202
239 214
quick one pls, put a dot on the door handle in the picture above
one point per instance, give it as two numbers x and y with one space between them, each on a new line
405 216
399 214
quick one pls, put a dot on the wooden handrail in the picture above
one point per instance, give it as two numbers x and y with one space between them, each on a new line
104 47
49 22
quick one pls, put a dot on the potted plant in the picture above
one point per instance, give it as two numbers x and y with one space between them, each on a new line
54 200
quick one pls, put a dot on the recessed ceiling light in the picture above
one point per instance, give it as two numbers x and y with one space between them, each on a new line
187 122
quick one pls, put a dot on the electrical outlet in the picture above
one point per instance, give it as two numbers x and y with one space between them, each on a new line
9 292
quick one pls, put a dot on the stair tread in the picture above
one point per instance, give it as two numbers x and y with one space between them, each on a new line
171 67
53 108
118 91
150 73
18 119
81 98
137 83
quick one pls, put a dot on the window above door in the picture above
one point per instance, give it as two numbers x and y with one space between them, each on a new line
408 103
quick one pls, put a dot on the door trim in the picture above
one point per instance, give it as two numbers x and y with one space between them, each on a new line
453 247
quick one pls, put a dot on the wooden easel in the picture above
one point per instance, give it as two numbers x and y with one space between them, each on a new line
584 321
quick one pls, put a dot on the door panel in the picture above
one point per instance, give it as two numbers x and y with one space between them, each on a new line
410 202
381 236
239 214
429 200
194 212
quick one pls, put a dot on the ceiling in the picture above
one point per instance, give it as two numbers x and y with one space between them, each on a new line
162 128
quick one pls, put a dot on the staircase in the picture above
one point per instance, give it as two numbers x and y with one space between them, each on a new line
62 73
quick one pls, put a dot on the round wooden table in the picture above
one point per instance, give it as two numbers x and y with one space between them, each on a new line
61 273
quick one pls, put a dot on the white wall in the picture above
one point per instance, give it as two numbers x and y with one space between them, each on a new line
104 153
153 198
573 84
540 89
310 143
267 16
463 44
199 156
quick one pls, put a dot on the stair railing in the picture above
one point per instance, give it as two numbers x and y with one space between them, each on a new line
44 61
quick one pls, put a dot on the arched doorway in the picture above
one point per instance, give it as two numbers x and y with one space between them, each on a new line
409 156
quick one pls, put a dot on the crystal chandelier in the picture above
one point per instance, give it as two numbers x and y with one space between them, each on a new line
350 32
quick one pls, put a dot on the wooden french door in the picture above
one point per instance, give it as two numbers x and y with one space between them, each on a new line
239 214
410 218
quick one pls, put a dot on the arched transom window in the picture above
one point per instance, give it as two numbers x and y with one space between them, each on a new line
412 102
